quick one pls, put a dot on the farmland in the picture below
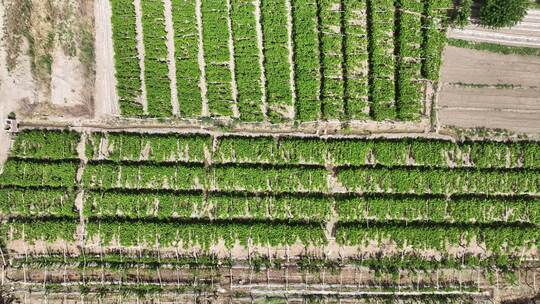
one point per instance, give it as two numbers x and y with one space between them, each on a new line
267 151
279 61
270 198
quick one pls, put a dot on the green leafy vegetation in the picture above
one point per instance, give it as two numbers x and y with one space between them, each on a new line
502 13
319 60
126 57
199 191
495 48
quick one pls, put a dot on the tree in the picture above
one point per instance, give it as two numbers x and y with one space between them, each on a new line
502 13
462 13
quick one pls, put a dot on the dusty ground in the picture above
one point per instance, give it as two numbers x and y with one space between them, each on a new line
105 86
55 39
526 33
16 82
483 89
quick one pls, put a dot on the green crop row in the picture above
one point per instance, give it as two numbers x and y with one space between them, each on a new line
153 147
436 22
223 178
50 230
387 152
276 59
128 71
298 179
317 151
45 144
440 181
366 208
307 61
497 239
18 172
246 57
434 209
382 69
217 57
156 68
356 51
205 235
23 202
409 63
258 178
163 205
144 176
332 40
186 40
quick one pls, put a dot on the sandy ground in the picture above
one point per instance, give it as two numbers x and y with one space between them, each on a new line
526 33
67 80
461 104
15 86
170 55
106 100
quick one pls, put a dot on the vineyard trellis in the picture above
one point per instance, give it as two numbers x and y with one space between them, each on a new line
142 188
351 60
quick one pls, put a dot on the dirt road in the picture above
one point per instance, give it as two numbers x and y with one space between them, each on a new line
526 33
106 103
483 89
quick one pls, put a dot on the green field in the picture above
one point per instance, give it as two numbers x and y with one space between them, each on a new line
298 60
142 193
169 188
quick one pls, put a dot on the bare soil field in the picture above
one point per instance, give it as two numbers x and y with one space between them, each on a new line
48 54
483 89
526 33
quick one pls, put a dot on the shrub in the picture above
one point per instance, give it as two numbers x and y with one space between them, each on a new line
502 13
462 15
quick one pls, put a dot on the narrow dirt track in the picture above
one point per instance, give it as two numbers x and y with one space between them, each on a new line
105 89
526 33
171 54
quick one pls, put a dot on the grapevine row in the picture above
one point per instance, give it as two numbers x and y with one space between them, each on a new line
356 50
497 239
246 56
156 67
217 57
307 59
382 59
409 63
293 150
186 51
45 144
126 57
276 54
332 39
213 205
